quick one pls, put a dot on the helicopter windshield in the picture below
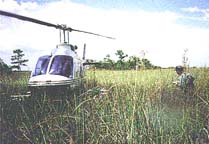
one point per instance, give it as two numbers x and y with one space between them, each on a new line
62 65
41 65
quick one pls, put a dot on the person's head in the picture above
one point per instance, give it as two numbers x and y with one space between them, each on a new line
179 70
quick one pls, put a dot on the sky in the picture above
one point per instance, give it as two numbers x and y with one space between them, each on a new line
162 29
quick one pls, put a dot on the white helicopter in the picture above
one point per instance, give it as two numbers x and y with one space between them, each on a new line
61 68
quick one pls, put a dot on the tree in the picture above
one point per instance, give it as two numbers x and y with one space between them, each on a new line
121 55
146 63
108 62
134 62
120 63
17 59
4 68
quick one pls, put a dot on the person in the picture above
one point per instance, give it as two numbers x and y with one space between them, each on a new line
185 80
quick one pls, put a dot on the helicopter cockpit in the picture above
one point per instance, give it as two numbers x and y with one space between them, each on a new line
59 65
62 65
41 66
60 68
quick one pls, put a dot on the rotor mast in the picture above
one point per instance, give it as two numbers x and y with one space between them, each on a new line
64 35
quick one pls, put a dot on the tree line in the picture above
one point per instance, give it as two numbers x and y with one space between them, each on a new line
123 62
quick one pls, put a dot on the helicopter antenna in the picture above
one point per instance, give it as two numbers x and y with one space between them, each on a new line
84 51
60 36
61 27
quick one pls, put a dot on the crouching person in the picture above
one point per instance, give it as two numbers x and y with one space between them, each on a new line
185 81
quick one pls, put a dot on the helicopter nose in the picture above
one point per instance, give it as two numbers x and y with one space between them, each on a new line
48 80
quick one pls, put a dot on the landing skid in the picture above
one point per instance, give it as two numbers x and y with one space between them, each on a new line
20 96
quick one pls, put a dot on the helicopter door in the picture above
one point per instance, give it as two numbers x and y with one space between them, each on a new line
62 65
41 65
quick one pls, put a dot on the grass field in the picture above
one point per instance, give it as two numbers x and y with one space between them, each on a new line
114 107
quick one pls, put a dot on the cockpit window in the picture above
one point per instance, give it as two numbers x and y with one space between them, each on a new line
41 65
62 65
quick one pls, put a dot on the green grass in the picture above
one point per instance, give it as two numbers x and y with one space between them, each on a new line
115 107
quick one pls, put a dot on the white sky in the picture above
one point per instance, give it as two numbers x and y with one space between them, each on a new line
157 33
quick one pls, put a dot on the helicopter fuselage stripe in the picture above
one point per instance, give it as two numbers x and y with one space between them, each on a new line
74 82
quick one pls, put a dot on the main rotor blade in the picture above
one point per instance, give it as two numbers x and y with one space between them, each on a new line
62 27
27 19
92 33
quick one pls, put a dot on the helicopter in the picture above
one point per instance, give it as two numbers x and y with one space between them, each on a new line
62 68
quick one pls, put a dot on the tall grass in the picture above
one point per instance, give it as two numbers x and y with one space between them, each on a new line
145 107
115 107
